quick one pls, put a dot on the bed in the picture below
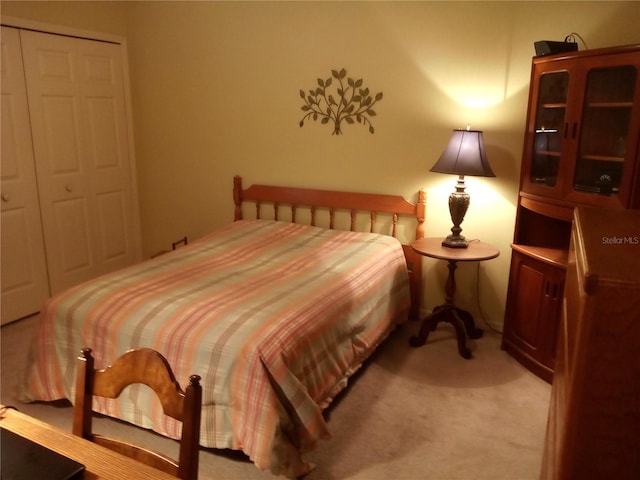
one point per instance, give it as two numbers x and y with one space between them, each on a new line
275 311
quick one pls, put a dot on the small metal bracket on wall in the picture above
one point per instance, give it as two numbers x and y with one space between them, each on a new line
183 241
350 102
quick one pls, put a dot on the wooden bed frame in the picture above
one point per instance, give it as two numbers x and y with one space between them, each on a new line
293 199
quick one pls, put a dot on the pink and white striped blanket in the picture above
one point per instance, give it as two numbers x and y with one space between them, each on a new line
274 316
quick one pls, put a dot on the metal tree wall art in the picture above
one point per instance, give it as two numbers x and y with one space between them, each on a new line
351 103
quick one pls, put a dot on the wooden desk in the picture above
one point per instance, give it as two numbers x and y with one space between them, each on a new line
460 319
100 462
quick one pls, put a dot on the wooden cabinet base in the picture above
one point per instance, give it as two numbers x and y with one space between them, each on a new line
529 362
533 305
593 431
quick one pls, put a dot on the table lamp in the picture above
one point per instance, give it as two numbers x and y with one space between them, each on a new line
464 155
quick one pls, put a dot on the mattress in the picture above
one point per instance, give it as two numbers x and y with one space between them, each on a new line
274 316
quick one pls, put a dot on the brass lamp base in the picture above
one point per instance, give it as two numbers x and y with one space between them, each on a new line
458 205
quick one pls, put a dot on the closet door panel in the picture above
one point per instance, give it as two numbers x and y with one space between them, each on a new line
113 230
55 104
71 218
110 165
24 272
76 95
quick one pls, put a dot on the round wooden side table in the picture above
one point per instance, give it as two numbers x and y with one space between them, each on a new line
461 320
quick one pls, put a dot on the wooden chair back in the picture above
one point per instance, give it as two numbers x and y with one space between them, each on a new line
150 368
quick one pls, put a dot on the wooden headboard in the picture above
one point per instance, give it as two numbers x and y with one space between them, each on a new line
292 200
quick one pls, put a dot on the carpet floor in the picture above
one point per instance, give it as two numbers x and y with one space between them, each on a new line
409 414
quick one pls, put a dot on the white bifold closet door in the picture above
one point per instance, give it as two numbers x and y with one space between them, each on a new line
80 140
24 280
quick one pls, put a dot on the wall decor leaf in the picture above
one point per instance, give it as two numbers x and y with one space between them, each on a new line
349 103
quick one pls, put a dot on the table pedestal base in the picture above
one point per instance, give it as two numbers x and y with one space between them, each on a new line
461 320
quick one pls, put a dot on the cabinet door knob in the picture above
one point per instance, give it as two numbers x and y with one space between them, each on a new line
6 197
68 188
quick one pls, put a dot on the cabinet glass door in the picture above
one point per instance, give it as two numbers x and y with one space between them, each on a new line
608 103
549 123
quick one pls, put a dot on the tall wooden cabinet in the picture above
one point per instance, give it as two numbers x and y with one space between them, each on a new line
581 148
593 431
69 195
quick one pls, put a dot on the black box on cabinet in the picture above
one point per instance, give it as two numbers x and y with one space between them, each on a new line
549 47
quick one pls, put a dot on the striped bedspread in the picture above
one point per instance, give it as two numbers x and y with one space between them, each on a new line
274 316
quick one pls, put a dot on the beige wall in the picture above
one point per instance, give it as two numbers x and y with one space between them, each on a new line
215 93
